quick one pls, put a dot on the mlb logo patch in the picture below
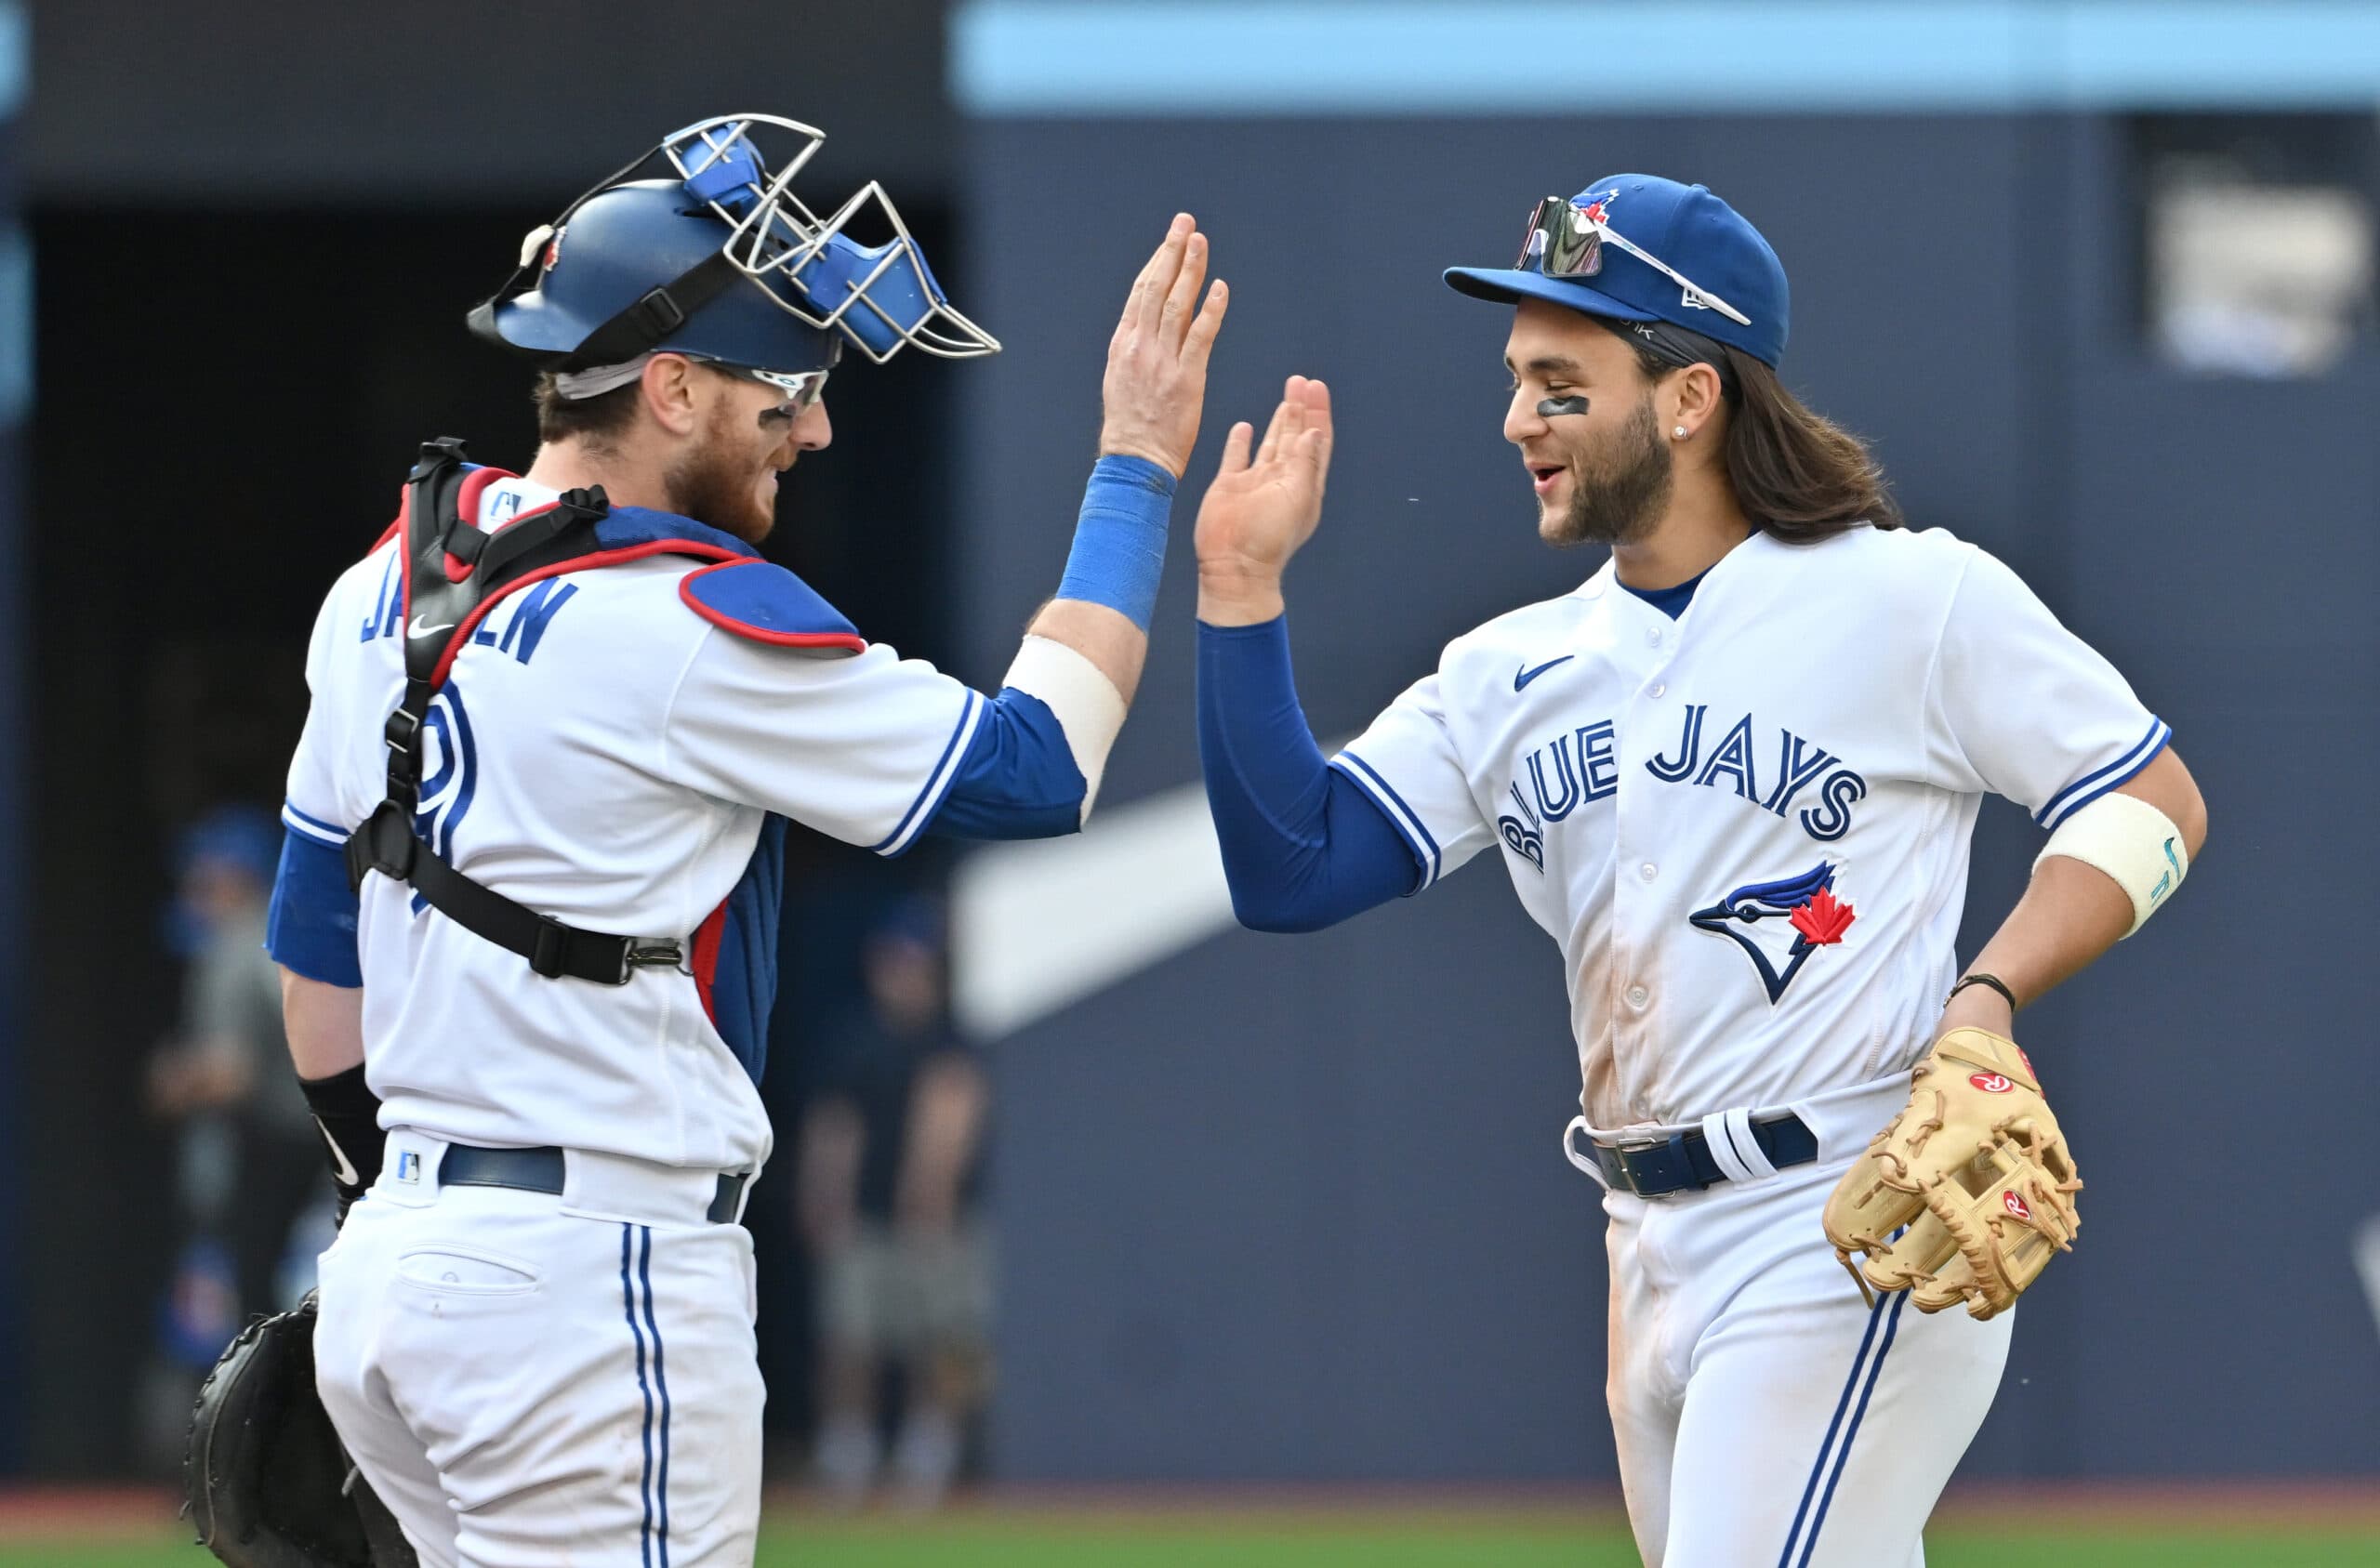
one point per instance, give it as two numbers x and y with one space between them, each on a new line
408 1165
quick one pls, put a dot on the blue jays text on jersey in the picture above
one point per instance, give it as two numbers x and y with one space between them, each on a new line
1579 766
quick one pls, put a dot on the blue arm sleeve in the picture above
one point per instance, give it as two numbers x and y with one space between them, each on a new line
1018 779
1304 845
309 928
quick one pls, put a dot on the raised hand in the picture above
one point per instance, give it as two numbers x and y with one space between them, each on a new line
1156 386
1262 509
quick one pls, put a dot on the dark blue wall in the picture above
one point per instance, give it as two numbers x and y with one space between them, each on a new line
1294 1207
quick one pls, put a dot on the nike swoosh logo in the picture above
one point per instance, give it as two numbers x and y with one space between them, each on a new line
1524 677
415 628
346 1171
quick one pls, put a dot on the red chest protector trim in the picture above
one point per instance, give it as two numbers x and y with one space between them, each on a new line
454 574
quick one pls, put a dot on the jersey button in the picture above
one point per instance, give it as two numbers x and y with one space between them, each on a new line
1657 689
1648 871
1653 637
1638 995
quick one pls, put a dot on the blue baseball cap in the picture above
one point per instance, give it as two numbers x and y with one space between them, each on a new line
1692 237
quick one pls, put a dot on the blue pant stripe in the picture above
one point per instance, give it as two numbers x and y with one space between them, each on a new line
661 1378
628 1302
1818 1465
1875 1370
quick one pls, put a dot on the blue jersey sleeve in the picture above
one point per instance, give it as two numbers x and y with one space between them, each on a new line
1018 779
1304 845
310 929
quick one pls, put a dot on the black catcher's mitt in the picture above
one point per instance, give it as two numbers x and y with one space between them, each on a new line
267 1478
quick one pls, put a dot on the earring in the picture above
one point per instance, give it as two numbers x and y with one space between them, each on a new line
1679 432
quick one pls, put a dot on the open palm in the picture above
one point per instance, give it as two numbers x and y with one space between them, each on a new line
1263 508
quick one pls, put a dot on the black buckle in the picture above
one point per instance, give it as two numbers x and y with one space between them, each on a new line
546 948
660 312
445 449
401 731
659 955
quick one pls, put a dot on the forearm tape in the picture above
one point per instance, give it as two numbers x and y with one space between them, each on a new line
2133 842
349 1115
1085 703
1119 539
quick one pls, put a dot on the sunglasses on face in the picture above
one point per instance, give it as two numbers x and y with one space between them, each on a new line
802 388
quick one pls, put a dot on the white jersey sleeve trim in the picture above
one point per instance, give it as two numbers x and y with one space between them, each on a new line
1407 821
938 782
2092 786
315 828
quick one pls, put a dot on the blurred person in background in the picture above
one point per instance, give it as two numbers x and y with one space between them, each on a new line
248 1149
244 1145
889 1183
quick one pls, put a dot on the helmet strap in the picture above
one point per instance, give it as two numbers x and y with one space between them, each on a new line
647 321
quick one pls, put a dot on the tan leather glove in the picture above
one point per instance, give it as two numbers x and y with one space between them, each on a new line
1975 1168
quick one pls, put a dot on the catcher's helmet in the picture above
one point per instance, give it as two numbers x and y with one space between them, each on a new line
720 259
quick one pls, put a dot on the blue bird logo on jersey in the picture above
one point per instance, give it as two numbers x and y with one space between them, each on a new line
1807 903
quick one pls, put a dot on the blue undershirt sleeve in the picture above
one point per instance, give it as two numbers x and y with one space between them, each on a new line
1304 845
1018 779
310 928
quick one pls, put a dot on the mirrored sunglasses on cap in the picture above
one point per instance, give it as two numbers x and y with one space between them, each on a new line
1566 240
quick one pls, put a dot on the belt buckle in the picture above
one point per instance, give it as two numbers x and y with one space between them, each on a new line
1644 1143
652 954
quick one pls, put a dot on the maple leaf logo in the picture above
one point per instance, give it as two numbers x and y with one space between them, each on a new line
1823 920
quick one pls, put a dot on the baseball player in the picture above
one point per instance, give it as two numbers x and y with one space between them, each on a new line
1732 776
528 899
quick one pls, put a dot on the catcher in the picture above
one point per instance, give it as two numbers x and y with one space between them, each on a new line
1732 775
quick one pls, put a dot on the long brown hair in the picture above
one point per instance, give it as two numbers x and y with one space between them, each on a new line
1797 474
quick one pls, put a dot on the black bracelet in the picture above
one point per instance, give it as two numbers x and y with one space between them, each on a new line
1992 980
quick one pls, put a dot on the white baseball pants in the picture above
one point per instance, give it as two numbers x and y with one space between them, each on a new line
1765 1413
532 1380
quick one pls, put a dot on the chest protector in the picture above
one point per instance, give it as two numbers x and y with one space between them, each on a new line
453 574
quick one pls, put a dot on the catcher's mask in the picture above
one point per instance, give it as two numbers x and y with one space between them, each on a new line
717 257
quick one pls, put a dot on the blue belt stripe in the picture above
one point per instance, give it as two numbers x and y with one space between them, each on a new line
1843 1456
1809 1489
627 1300
661 1377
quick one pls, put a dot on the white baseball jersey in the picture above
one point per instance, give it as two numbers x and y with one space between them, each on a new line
1748 828
604 755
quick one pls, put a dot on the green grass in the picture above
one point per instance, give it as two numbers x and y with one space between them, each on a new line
1173 1541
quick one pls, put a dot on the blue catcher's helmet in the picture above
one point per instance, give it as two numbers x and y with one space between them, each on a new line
719 259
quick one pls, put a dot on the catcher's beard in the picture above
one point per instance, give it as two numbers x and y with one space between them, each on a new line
1617 498
715 483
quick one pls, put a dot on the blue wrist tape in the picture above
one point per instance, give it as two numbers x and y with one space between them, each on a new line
1119 539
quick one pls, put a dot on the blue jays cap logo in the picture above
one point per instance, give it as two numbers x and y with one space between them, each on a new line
1807 903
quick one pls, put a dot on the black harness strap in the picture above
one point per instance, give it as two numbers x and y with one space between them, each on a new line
439 612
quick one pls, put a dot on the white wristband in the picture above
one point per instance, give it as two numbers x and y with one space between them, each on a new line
2130 840
1088 707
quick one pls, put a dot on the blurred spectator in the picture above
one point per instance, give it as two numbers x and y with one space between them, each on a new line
248 1159
887 1188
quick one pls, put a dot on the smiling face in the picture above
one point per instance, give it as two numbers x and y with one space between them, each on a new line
746 434
1602 476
